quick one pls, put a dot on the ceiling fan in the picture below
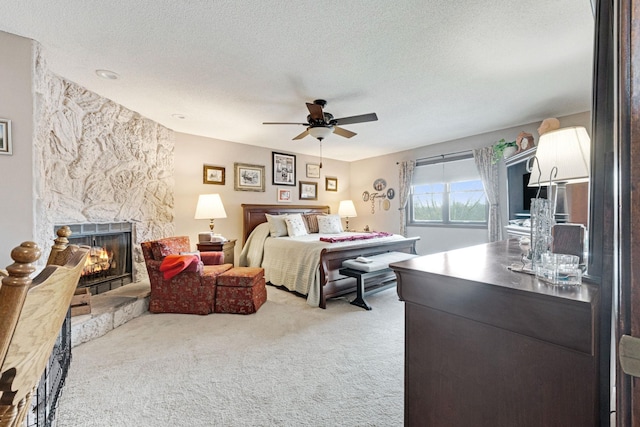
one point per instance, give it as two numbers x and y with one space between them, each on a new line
321 124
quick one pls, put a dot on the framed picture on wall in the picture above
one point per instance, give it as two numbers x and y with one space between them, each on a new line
248 177
331 184
213 175
284 169
308 190
284 195
5 137
313 170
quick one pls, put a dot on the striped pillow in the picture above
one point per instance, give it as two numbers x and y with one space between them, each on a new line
311 221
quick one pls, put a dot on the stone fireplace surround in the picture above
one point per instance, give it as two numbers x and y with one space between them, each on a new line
96 161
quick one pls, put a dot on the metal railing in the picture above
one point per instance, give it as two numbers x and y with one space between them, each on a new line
45 400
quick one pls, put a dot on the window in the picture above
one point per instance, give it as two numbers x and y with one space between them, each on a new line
448 191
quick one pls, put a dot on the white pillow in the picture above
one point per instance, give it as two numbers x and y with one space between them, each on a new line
277 226
295 225
329 224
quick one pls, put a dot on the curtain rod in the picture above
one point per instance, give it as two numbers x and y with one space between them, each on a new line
443 156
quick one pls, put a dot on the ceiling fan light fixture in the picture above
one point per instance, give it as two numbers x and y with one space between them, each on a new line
320 132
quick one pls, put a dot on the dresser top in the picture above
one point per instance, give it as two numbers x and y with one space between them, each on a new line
487 264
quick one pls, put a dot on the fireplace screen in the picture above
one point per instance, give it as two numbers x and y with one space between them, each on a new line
108 265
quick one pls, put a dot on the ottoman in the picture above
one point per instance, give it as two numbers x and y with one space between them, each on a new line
240 290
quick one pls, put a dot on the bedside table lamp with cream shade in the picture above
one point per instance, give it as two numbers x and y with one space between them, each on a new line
347 210
210 207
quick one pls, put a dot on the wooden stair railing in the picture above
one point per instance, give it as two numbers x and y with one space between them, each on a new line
31 315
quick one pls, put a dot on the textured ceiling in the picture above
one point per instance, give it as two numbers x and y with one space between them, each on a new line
432 70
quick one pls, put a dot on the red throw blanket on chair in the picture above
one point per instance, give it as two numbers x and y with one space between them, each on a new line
174 264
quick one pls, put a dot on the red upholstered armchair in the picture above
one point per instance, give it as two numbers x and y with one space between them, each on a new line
193 289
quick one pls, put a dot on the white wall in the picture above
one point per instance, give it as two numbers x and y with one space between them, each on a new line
433 239
193 152
16 182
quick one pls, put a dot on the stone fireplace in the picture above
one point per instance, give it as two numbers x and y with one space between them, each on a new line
98 164
109 264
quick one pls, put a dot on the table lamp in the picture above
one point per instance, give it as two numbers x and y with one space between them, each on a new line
347 210
210 207
563 157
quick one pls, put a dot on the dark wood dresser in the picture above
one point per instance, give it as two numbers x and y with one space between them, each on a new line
485 346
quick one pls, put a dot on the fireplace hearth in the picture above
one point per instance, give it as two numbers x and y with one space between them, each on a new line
109 265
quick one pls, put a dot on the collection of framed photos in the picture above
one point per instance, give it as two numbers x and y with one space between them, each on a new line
248 177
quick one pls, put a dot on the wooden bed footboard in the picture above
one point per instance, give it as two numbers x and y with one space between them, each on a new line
333 284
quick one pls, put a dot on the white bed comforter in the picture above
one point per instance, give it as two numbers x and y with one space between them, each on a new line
293 262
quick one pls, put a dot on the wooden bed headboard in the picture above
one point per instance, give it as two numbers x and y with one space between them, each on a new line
254 215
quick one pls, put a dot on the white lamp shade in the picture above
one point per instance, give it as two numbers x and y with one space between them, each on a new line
210 207
320 132
567 149
347 209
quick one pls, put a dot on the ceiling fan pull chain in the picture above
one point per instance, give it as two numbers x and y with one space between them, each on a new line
320 153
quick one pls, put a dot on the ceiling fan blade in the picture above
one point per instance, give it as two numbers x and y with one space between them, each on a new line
316 111
371 117
284 123
343 132
302 135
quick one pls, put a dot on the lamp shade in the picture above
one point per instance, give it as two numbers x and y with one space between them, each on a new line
347 209
210 207
320 132
568 150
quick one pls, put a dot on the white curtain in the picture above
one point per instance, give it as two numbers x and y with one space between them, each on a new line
489 174
406 175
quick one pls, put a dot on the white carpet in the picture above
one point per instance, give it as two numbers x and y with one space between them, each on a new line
286 365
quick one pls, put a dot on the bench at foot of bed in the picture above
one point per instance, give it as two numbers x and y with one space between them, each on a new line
374 267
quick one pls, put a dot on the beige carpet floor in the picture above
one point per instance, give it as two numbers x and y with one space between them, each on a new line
286 365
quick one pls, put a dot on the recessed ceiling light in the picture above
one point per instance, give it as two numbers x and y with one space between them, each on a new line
178 116
106 74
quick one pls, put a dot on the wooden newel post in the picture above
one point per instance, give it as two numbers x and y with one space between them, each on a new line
60 244
14 291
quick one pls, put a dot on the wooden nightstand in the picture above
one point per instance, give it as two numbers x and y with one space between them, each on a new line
227 247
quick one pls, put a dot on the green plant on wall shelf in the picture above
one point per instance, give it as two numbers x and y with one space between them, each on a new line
499 148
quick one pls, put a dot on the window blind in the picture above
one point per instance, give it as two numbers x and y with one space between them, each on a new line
446 171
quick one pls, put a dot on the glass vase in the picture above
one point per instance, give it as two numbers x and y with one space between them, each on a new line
541 224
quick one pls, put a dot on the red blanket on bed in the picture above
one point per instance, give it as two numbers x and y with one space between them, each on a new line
174 264
371 235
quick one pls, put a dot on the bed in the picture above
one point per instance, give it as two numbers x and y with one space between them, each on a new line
324 277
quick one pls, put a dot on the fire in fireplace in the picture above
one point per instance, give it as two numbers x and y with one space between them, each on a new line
99 262
109 263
